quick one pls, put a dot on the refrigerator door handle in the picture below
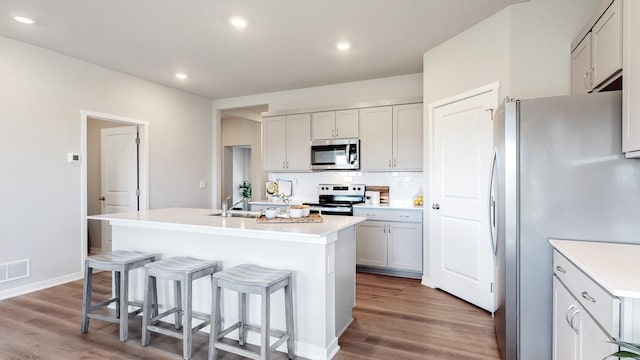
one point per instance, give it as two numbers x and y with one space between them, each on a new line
492 207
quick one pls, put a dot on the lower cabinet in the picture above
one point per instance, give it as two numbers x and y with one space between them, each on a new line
576 333
390 242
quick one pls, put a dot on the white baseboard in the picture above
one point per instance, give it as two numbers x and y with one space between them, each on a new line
29 288
427 282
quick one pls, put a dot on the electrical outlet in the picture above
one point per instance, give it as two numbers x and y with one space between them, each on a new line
203 184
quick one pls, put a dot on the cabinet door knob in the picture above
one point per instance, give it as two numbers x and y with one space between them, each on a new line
102 198
435 206
561 269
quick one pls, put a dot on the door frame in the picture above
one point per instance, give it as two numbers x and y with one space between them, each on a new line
143 167
429 251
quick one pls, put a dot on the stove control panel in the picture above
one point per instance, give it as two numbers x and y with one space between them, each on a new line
341 189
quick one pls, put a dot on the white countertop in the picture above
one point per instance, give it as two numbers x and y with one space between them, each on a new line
201 221
392 205
614 266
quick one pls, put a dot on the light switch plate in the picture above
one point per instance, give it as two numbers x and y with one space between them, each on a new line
203 184
73 157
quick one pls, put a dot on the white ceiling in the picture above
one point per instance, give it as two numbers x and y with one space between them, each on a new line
288 44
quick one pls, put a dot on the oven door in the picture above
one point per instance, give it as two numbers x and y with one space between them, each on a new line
338 154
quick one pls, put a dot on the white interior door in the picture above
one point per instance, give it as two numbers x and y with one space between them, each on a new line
462 143
118 174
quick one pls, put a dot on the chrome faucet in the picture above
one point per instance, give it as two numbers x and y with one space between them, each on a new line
225 206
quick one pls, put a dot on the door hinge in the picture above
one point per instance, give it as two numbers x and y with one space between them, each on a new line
137 192
137 139
492 286
491 112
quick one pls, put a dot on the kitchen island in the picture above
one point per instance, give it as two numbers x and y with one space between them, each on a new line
321 256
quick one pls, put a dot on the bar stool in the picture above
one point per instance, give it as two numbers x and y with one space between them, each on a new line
251 279
182 270
120 262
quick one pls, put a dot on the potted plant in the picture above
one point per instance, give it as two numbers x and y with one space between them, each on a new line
245 188
632 351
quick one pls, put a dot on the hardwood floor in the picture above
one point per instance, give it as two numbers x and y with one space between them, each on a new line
394 319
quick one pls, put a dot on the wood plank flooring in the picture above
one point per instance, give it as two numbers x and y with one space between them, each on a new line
394 319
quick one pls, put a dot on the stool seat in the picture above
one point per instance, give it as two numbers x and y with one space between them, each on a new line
118 257
252 275
120 262
182 271
179 266
251 279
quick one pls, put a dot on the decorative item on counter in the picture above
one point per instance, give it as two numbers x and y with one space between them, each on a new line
372 197
271 188
418 198
285 198
383 190
245 189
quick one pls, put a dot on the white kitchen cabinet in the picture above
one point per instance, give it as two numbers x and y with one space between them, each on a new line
596 295
581 67
286 143
606 37
598 57
371 244
577 336
565 326
339 124
631 83
391 138
389 241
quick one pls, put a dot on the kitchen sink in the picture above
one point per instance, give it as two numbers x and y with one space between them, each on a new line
243 214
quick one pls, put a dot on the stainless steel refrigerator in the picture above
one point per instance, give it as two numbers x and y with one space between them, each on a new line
558 172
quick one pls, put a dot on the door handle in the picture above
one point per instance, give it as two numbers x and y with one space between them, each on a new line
492 207
435 206
588 297
102 198
571 321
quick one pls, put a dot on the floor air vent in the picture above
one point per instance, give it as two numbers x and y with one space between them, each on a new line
14 270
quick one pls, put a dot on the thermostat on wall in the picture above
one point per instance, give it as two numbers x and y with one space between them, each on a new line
73 157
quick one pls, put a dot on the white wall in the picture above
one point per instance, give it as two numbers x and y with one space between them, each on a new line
42 93
526 47
396 87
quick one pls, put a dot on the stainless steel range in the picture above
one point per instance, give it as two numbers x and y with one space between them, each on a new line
338 199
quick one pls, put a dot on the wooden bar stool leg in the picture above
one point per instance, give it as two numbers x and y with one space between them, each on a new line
215 320
288 305
264 327
177 289
242 317
116 285
124 304
86 297
187 328
146 308
155 309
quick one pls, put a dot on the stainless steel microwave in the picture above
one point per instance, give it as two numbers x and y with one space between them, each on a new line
335 154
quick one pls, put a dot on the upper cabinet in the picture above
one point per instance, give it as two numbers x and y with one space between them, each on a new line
391 138
597 57
631 84
334 124
606 37
285 142
581 67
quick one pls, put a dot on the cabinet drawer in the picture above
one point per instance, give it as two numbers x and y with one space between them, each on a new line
389 214
604 307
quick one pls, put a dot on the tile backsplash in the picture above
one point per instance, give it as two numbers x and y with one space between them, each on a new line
402 185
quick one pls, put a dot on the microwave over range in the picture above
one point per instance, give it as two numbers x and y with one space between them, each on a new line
335 154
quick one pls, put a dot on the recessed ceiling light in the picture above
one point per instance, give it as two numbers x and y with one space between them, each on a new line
343 45
23 19
238 22
181 76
